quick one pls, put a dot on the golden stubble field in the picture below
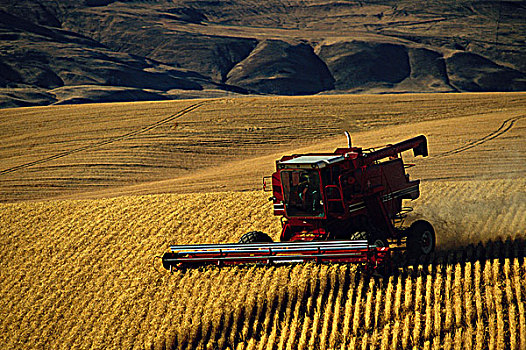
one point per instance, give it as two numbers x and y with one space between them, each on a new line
81 273
63 151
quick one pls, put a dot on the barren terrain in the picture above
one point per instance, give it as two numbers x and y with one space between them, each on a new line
82 51
91 193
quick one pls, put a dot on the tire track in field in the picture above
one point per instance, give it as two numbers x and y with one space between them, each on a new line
503 128
108 141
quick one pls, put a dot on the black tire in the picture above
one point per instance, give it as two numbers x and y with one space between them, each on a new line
255 237
379 241
421 239
372 235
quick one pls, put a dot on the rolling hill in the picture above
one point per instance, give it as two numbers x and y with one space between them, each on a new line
185 146
64 52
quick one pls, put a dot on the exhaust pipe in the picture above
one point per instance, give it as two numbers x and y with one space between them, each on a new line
348 135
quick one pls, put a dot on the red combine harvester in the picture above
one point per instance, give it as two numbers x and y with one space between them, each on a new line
344 206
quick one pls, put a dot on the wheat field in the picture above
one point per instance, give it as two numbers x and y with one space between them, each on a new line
79 271
82 274
184 146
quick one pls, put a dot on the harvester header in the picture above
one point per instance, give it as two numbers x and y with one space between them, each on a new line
275 253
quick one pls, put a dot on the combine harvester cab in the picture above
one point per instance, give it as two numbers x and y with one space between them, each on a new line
341 207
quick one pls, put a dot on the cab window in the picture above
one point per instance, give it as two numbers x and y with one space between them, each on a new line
301 192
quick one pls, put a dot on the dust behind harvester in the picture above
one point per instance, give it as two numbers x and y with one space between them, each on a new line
344 206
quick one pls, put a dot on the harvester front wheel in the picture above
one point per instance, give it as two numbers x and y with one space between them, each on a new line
373 235
380 242
420 239
255 237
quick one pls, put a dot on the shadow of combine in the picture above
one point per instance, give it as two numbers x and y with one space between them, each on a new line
490 250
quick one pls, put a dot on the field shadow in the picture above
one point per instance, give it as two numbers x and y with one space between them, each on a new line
495 249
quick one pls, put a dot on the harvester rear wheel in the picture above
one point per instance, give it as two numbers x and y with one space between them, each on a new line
420 239
255 237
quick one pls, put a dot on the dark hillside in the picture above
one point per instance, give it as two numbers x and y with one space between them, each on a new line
103 50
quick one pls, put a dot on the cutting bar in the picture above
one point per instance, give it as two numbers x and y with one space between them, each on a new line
358 251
